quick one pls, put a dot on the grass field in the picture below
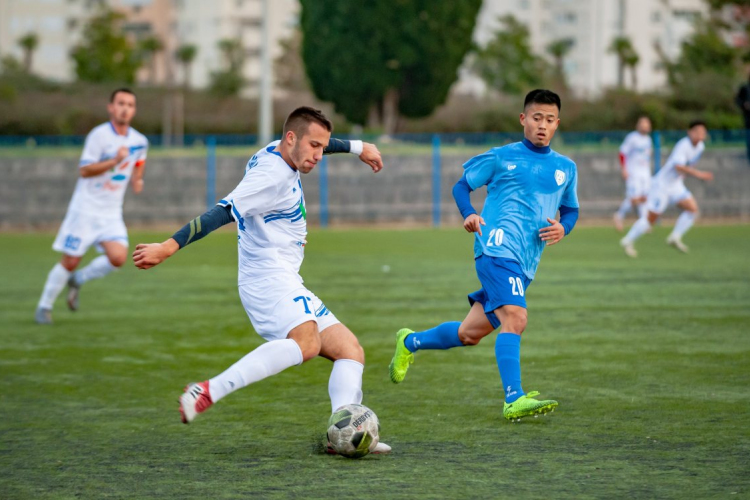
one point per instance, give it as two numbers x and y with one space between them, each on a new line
650 360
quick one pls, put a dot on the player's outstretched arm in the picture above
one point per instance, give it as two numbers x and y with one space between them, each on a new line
366 151
694 172
149 255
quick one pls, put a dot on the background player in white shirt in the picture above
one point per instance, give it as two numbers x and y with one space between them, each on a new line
269 208
668 188
113 154
636 152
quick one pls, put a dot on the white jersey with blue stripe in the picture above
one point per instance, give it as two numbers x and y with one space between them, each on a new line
525 185
103 194
269 208
684 153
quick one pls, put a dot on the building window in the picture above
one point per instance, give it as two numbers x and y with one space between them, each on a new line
656 17
687 15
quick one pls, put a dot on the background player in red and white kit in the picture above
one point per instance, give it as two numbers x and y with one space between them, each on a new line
636 154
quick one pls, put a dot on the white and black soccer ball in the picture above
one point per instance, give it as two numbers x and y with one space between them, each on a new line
353 431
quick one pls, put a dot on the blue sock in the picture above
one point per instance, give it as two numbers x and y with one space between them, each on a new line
508 355
442 336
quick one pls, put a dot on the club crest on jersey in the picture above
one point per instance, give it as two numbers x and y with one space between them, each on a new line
511 167
559 177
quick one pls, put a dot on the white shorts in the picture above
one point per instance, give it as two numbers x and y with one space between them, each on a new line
278 303
637 185
662 197
79 231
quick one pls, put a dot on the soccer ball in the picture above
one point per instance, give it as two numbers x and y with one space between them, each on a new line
353 431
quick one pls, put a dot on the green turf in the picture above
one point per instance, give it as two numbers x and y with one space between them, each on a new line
649 359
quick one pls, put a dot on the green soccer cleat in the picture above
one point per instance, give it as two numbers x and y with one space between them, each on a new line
526 406
402 358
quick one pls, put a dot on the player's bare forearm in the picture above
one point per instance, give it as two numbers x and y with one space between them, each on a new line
148 255
94 169
552 233
137 180
694 172
371 156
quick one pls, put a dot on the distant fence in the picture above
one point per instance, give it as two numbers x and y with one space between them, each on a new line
415 186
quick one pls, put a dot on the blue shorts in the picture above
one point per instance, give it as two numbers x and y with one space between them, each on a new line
503 283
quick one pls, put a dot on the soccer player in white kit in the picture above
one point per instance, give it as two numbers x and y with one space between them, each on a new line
635 162
268 206
668 188
113 154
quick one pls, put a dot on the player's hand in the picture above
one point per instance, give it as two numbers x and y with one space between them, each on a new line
371 156
137 185
122 153
148 255
552 234
474 223
707 176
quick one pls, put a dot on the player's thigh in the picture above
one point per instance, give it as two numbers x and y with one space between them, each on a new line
513 318
688 204
116 252
338 342
475 326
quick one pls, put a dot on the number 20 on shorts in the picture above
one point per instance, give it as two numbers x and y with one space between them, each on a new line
517 285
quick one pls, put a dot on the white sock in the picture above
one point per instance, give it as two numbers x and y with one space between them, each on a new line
625 207
638 229
345 384
684 222
97 268
643 210
266 360
56 280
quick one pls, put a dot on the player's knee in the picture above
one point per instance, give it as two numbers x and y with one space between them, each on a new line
515 322
117 260
309 346
472 335
70 263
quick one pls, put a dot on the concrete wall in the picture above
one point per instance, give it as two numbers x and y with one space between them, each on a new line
35 192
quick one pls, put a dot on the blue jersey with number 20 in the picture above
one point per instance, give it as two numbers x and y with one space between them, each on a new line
525 185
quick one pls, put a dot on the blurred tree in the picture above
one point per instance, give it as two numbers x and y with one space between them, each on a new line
104 54
627 57
229 81
289 69
507 63
185 54
377 61
29 42
558 49
148 48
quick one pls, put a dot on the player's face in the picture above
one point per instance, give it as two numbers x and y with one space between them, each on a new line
540 121
122 108
697 134
307 150
643 126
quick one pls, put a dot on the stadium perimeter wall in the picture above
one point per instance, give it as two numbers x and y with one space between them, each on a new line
35 192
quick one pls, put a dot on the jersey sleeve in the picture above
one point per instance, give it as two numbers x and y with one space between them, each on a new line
626 146
570 196
92 149
140 158
254 195
479 170
682 154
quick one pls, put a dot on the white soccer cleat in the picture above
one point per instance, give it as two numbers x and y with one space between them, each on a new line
630 250
678 244
195 400
619 224
380 449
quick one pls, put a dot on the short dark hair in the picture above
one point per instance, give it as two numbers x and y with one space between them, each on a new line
542 96
300 119
696 123
117 91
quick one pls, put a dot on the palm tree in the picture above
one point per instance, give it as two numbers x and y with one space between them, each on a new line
558 49
631 61
149 47
185 54
28 43
626 56
233 53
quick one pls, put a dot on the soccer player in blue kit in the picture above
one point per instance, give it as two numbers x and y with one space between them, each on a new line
527 183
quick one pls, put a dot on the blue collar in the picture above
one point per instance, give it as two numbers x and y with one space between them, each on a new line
270 149
543 150
114 130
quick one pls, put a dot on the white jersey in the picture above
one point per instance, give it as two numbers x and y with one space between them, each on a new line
269 207
637 149
102 195
685 154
